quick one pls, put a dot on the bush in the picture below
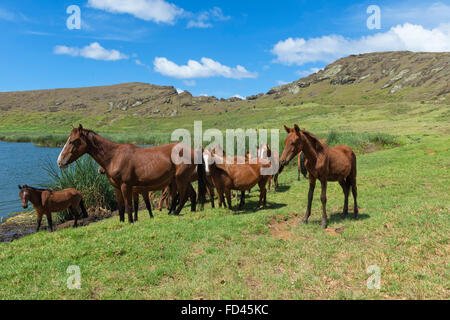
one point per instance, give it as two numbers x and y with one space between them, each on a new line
82 175
360 141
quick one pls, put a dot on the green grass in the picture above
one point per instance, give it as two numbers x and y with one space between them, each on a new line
217 254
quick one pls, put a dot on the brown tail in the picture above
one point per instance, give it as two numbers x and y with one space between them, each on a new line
201 183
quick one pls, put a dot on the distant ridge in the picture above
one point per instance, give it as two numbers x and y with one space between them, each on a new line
356 79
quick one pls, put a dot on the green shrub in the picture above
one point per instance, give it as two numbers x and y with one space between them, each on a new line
82 175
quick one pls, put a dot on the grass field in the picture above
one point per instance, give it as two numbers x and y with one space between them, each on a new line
217 254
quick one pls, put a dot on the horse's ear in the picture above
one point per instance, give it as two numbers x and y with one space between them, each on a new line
287 129
20 187
297 129
80 127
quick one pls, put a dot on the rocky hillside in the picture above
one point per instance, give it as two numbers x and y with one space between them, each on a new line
376 77
357 79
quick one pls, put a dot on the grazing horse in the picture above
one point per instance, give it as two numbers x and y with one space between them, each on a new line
323 163
46 201
145 195
264 152
236 176
127 166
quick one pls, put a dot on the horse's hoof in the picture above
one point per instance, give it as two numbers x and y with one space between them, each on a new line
304 221
323 225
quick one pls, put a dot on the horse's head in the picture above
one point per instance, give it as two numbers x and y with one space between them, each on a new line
74 148
264 151
25 195
292 145
208 160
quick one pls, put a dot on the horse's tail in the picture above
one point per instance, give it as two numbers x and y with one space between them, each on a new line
302 165
353 170
83 209
201 183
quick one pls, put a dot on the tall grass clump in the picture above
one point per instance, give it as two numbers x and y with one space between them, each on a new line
82 175
361 141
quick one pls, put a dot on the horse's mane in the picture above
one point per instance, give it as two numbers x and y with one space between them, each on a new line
37 189
316 143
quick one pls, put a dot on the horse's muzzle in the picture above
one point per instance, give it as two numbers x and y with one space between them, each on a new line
62 165
25 206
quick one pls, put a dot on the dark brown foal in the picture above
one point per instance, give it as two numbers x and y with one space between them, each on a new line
46 201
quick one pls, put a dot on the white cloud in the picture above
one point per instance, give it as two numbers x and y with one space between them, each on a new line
305 73
93 51
179 91
238 96
281 82
204 69
189 83
420 13
329 48
203 20
6 15
158 11
140 63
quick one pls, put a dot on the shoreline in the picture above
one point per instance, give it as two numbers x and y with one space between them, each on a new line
23 224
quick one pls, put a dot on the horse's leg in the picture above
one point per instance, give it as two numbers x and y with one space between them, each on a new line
148 205
275 182
127 194
228 196
323 198
241 204
120 204
182 188
312 185
39 219
346 188
136 205
49 220
355 195
75 216
211 194
262 193
192 197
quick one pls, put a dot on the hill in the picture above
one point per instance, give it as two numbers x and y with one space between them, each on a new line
357 79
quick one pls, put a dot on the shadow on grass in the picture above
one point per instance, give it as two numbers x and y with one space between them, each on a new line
338 217
250 206
282 188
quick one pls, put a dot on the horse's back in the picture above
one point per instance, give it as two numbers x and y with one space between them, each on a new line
61 200
341 161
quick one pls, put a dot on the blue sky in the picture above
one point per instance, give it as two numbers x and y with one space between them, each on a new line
221 48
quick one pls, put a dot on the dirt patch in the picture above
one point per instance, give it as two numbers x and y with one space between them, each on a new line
335 230
24 224
282 230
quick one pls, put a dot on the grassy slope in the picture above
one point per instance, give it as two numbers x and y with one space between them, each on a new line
403 229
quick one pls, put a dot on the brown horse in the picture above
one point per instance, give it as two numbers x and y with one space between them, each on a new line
171 192
46 201
127 166
324 164
264 152
145 195
236 176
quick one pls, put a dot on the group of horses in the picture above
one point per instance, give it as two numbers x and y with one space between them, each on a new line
134 171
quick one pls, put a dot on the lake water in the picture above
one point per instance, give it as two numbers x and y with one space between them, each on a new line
21 163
